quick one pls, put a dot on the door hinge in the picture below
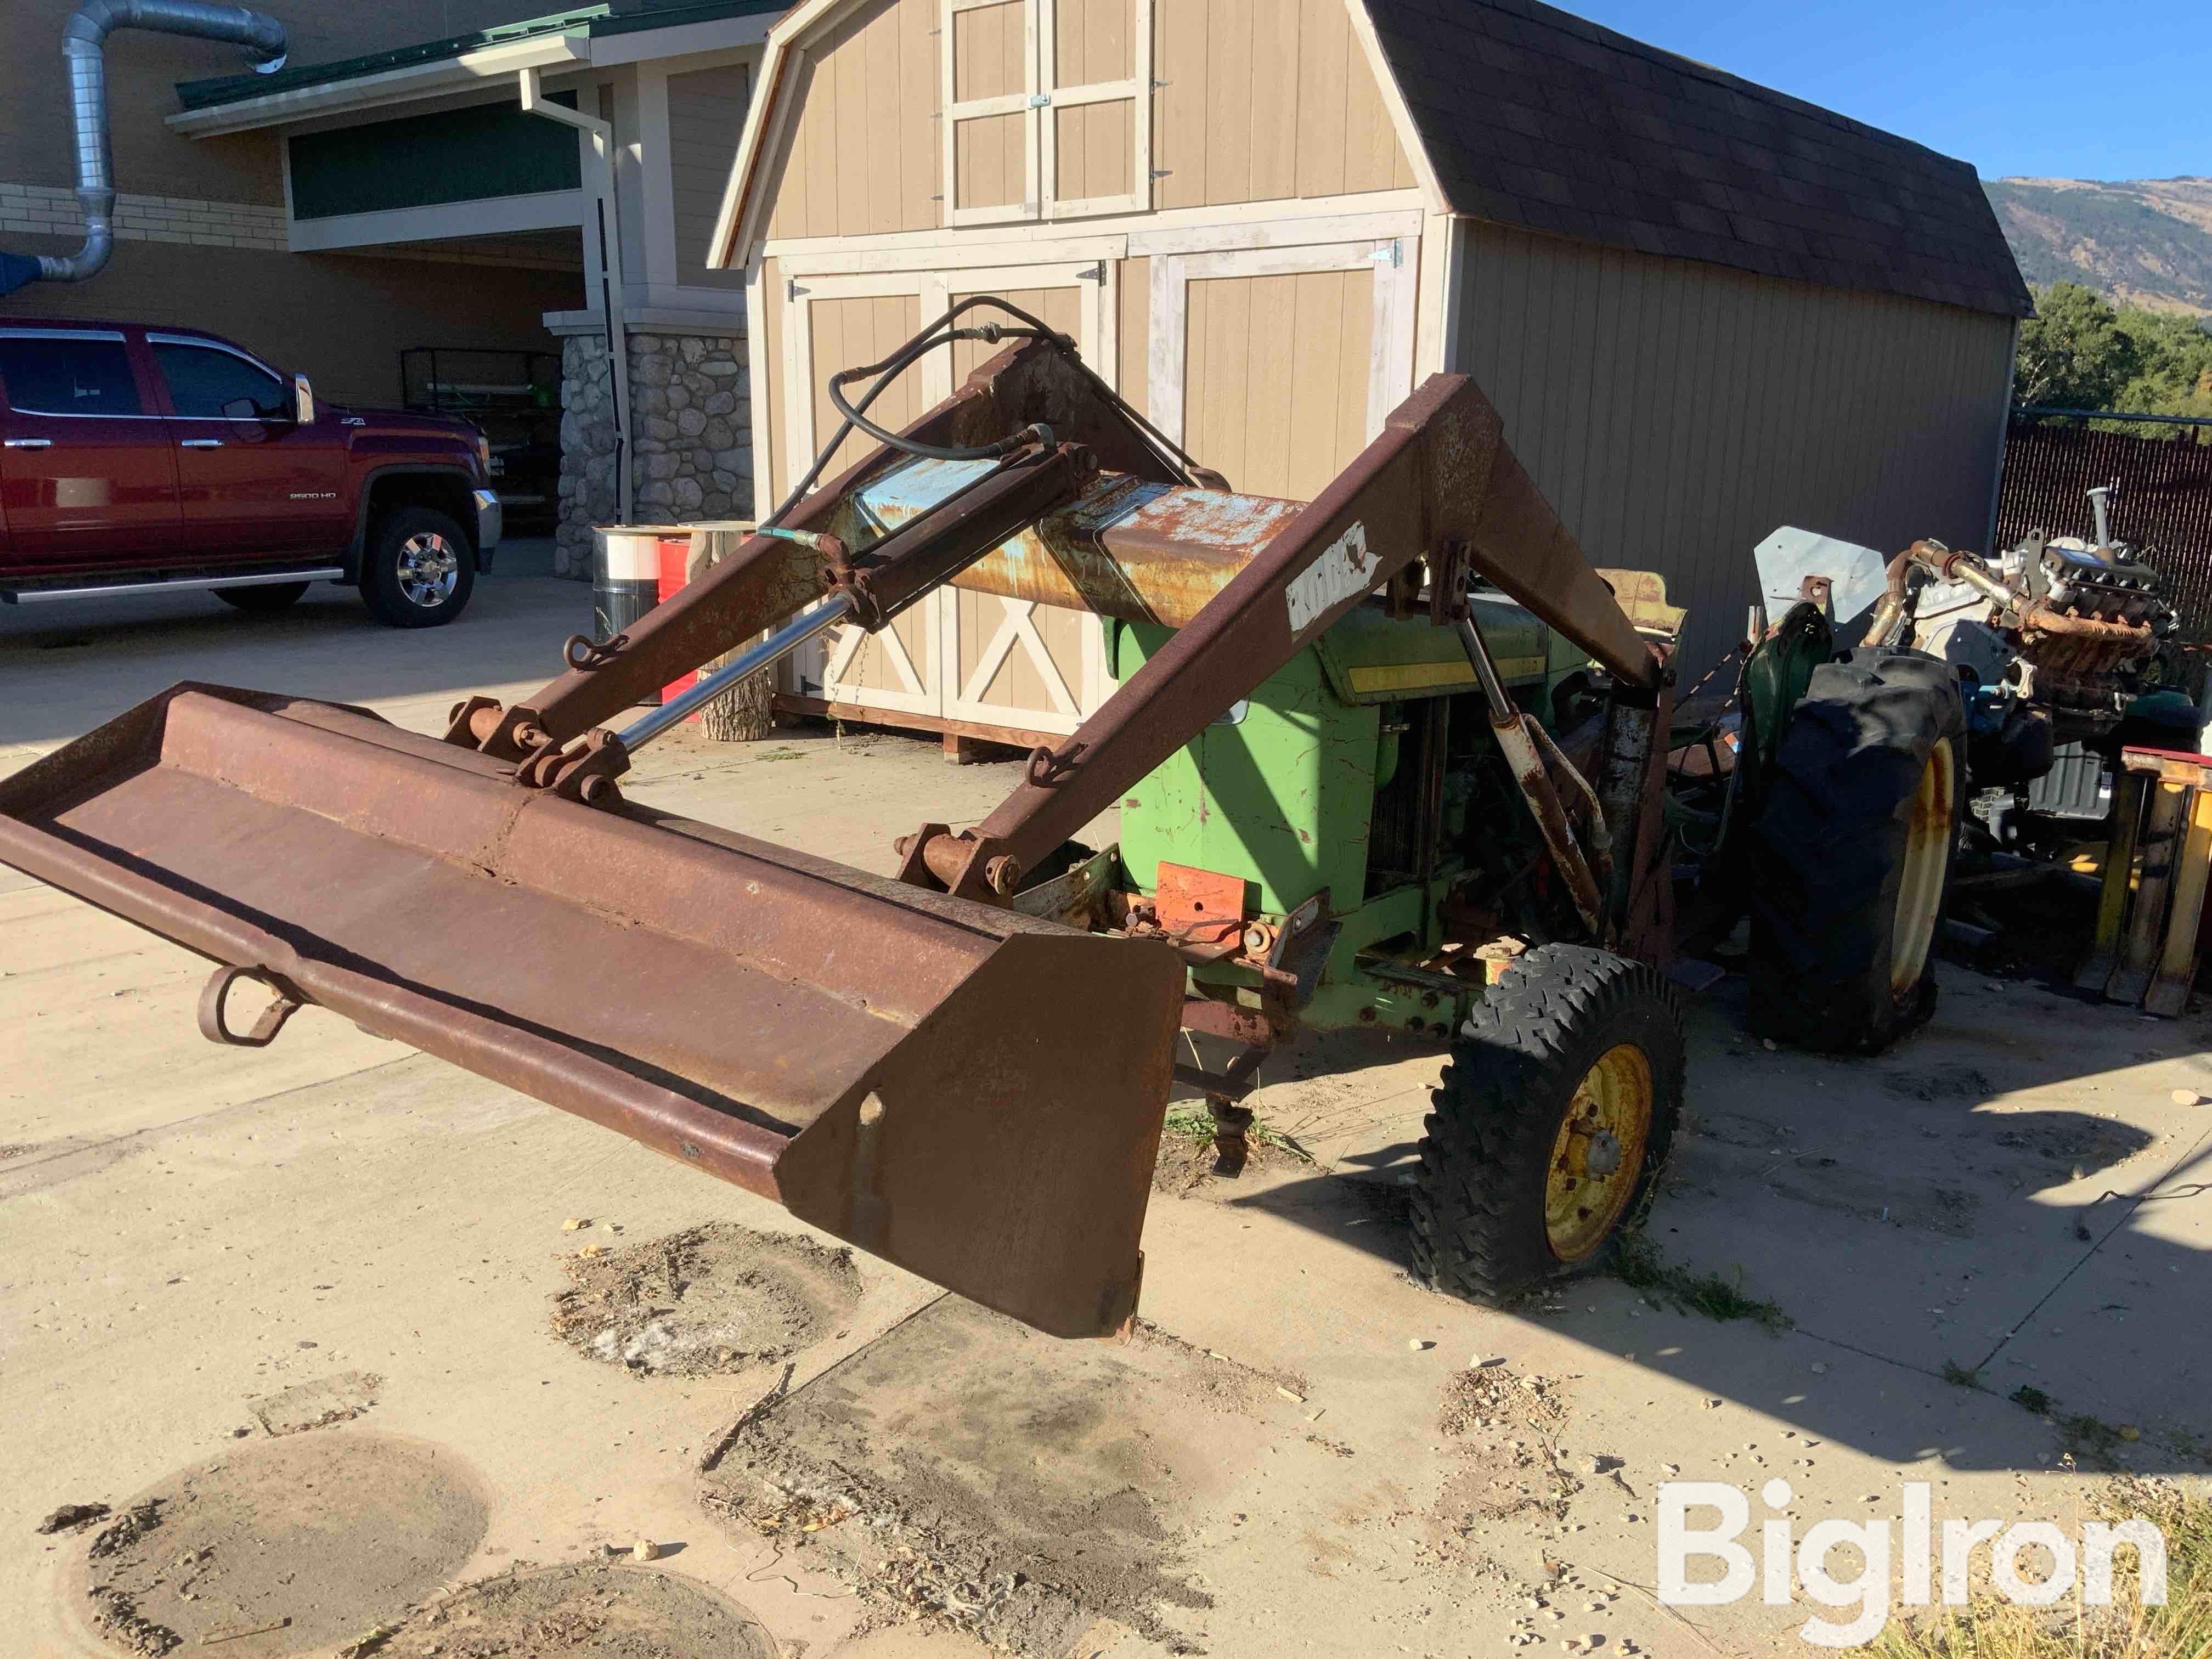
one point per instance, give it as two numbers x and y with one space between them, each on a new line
1391 253
795 290
1095 274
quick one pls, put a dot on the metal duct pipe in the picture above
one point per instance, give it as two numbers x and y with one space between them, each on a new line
83 39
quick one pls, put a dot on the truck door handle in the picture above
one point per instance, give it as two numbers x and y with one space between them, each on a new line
199 443
30 443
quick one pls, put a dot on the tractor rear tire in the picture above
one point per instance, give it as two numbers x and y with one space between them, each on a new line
1564 1085
1851 861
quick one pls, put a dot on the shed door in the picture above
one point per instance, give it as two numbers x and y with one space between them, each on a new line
838 323
957 656
1276 365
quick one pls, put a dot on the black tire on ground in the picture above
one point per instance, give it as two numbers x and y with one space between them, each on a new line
418 569
1851 861
1565 1016
264 597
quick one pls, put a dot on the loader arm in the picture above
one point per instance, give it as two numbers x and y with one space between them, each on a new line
769 578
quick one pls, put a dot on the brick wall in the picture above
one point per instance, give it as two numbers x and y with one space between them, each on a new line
48 211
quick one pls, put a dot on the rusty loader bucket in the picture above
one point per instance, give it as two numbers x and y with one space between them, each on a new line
895 1066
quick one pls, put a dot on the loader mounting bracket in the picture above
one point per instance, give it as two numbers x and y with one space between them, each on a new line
966 865
585 772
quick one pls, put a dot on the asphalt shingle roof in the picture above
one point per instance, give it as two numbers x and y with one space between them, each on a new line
1536 119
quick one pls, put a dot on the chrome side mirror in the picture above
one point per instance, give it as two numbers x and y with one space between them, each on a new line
303 401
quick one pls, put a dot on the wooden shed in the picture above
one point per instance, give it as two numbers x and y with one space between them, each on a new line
1703 307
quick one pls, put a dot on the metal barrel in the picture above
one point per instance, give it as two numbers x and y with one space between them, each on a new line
970 1093
625 576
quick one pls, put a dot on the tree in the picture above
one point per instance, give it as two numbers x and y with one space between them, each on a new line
2080 351
2073 352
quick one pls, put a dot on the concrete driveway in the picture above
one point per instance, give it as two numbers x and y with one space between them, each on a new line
204 1252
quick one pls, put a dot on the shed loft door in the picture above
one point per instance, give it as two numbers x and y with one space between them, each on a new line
1047 108
989 75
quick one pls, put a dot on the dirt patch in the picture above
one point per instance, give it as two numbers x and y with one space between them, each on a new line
1187 1161
72 1517
966 1469
1503 1426
306 1406
2071 1146
307 1541
713 1300
1945 1081
589 1612
17 1149
1883 1199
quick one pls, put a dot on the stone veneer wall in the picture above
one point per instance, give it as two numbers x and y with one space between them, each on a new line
691 448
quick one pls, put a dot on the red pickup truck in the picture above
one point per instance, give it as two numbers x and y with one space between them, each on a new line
134 460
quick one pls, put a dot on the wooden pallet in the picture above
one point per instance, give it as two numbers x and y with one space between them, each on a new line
2156 873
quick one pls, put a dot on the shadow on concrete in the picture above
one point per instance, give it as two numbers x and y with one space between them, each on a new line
2004 1202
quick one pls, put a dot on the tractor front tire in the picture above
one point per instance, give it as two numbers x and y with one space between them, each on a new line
1850 861
1551 1124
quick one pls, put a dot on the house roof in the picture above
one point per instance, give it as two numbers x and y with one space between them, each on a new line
1532 117
593 21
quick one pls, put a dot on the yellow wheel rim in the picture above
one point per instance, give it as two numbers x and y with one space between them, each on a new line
1598 1156
1920 888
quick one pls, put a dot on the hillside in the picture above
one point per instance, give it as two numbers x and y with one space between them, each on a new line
2140 241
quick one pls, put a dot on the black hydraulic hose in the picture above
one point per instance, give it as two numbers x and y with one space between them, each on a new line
990 334
941 332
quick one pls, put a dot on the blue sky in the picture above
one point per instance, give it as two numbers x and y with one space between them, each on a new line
2035 86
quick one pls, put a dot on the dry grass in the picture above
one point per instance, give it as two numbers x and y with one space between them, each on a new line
1991 1628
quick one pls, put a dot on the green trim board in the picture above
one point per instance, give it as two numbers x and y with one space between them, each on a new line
593 21
425 161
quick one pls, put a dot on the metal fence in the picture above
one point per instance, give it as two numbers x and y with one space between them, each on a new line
2162 502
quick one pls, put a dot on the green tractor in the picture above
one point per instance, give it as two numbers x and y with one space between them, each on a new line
1365 778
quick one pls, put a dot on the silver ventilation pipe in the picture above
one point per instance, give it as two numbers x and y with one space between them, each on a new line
83 39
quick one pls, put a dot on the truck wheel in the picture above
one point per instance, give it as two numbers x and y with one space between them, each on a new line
1552 1123
262 598
1851 861
418 568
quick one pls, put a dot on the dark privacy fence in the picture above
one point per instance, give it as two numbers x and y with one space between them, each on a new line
2162 502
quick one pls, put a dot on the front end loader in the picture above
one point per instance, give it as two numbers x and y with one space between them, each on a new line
1392 757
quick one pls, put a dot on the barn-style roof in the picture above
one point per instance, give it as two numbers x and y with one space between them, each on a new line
1531 116
1524 115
